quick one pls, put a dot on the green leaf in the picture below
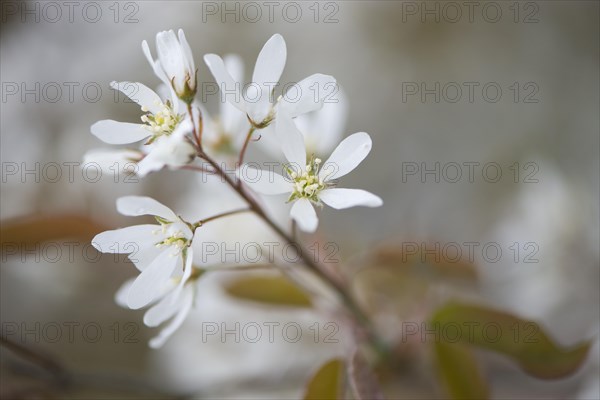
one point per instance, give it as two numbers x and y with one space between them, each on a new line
327 382
522 340
272 290
459 371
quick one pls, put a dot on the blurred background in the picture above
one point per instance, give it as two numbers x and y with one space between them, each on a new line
485 130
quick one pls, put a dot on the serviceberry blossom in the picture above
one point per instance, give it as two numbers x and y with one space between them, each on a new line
224 133
175 65
158 251
322 129
163 128
171 304
114 160
309 181
256 98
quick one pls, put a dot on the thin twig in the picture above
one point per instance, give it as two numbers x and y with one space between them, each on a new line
225 214
359 316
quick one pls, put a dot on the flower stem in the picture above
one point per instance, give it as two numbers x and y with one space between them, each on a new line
225 214
244 147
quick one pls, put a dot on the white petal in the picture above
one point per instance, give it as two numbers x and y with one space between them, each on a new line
147 252
188 299
124 240
291 141
160 73
231 118
187 272
324 128
134 206
173 151
187 54
345 198
114 132
113 160
305 215
264 181
259 101
140 93
123 292
164 309
225 81
308 94
171 57
149 283
270 61
346 156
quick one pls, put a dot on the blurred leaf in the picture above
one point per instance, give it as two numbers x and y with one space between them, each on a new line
459 371
363 381
523 341
425 260
327 383
41 228
274 290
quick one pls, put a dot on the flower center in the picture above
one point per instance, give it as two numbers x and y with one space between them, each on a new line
307 184
174 235
162 122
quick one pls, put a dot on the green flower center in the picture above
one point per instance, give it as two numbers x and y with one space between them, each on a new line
307 185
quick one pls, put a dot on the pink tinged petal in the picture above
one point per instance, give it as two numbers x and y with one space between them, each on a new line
291 141
134 206
125 240
349 153
308 94
345 198
165 334
139 93
270 61
264 181
305 215
149 283
230 89
114 132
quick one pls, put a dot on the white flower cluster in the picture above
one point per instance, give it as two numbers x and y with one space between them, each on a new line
176 131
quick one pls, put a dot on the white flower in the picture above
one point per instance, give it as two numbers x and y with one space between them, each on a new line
172 304
322 129
309 180
175 65
257 98
161 124
225 133
158 251
115 161
173 150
